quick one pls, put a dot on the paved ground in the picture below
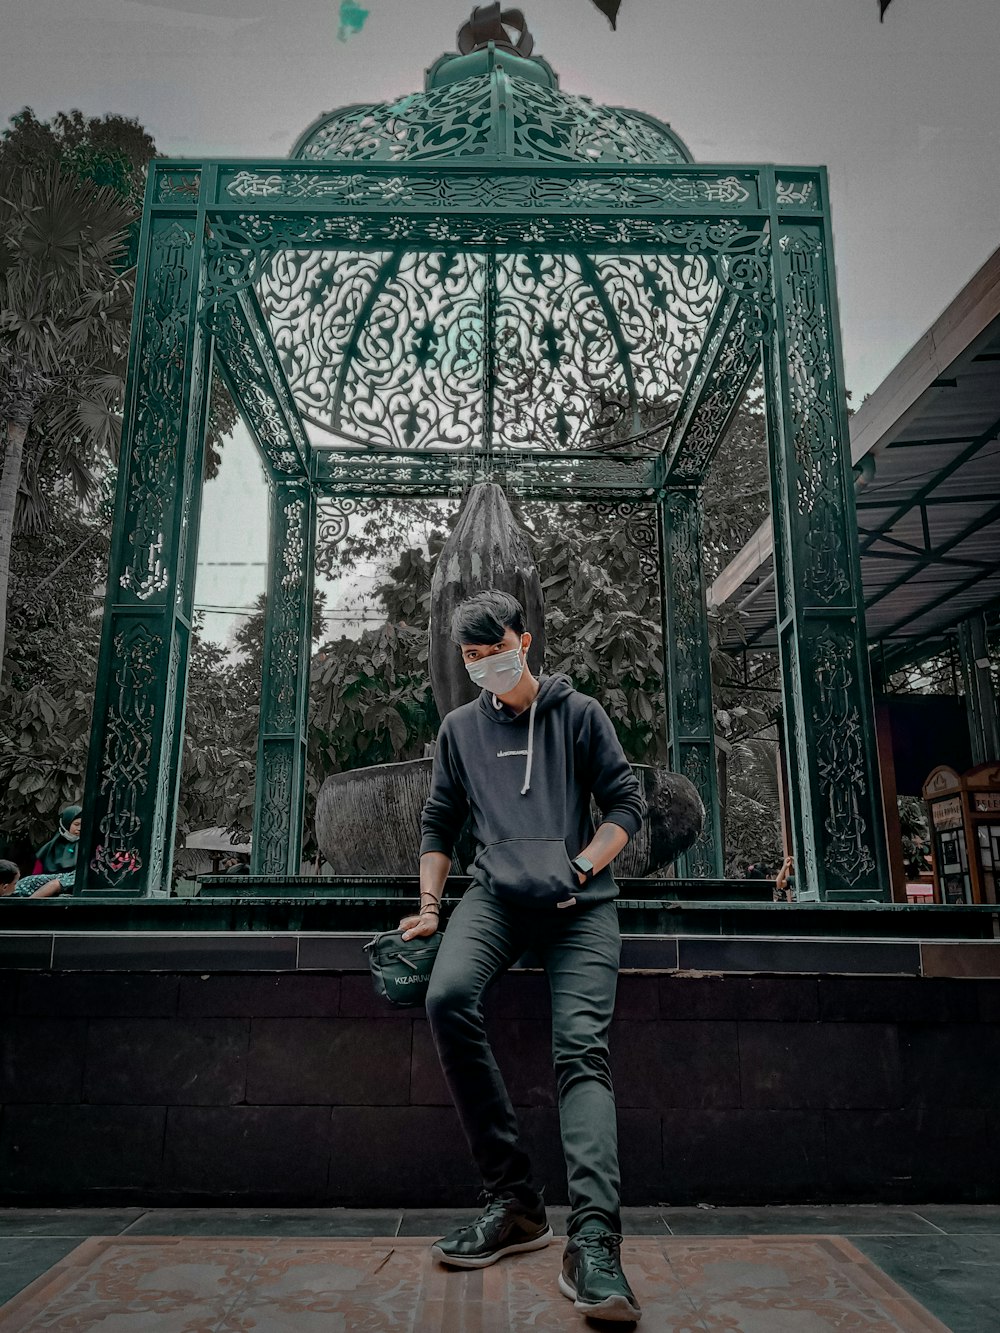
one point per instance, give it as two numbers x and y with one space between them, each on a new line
741 1270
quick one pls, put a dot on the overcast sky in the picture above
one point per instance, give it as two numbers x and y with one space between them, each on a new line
905 114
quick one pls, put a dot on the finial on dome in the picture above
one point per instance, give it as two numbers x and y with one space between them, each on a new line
506 29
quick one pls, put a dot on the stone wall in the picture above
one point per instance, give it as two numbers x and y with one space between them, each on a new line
288 1088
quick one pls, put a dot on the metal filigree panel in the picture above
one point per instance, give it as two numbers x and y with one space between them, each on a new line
497 191
284 684
832 766
135 705
540 477
131 780
462 121
687 669
459 350
838 736
729 357
153 445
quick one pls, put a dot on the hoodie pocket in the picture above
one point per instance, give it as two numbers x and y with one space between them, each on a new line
535 872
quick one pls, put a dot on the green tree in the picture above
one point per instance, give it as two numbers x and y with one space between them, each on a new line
47 691
64 317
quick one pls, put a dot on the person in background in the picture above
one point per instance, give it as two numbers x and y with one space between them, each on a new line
14 885
784 884
59 853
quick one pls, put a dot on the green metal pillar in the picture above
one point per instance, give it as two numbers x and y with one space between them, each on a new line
834 789
688 672
284 697
132 775
980 695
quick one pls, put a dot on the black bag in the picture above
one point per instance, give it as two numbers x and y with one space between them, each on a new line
401 969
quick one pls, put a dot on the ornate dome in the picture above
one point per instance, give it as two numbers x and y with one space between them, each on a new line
491 105
398 349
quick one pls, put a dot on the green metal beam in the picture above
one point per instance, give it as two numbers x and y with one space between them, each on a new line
126 841
284 702
529 474
687 671
729 357
834 788
251 369
980 693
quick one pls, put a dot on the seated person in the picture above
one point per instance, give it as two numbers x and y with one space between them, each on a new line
59 853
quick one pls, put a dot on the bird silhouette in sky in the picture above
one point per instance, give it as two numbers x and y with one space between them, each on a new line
883 5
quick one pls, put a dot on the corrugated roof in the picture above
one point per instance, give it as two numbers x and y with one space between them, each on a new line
929 518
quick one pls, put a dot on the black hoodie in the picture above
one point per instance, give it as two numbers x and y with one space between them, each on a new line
525 780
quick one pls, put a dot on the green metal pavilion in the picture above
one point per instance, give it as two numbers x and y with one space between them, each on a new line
925 447
489 279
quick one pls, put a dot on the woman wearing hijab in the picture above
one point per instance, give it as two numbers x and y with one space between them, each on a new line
59 853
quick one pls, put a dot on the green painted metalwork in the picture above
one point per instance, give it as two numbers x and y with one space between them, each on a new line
980 692
688 670
281 747
127 836
729 357
833 777
535 476
489 280
251 369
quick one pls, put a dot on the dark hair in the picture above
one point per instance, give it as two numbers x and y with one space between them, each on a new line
8 872
486 617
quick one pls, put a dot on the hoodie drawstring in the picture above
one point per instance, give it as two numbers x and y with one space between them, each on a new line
531 746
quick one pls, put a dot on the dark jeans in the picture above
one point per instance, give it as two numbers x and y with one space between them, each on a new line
580 950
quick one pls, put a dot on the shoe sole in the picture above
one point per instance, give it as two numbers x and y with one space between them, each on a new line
616 1309
484 1261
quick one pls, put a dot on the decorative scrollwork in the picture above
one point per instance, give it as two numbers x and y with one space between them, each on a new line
461 350
442 192
158 409
816 439
177 186
460 121
685 593
333 525
126 758
285 617
839 741
251 364
406 475
700 857
726 364
273 827
797 193
640 529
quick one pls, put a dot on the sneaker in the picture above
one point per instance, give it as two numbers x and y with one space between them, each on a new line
505 1226
593 1280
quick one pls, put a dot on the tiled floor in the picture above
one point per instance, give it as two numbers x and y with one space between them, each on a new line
742 1270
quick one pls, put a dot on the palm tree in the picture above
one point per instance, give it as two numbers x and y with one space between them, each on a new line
64 322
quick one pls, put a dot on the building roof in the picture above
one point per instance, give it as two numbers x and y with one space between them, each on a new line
926 451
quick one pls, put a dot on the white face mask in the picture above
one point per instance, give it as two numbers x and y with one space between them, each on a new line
499 673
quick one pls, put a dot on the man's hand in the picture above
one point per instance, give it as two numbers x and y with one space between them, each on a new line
419 926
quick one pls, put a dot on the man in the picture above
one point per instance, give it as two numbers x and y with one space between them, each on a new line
522 762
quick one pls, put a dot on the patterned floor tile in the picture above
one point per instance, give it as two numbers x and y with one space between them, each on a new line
147 1284
80 1222
826 1220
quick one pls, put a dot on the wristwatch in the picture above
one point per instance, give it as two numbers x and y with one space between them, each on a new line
585 867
